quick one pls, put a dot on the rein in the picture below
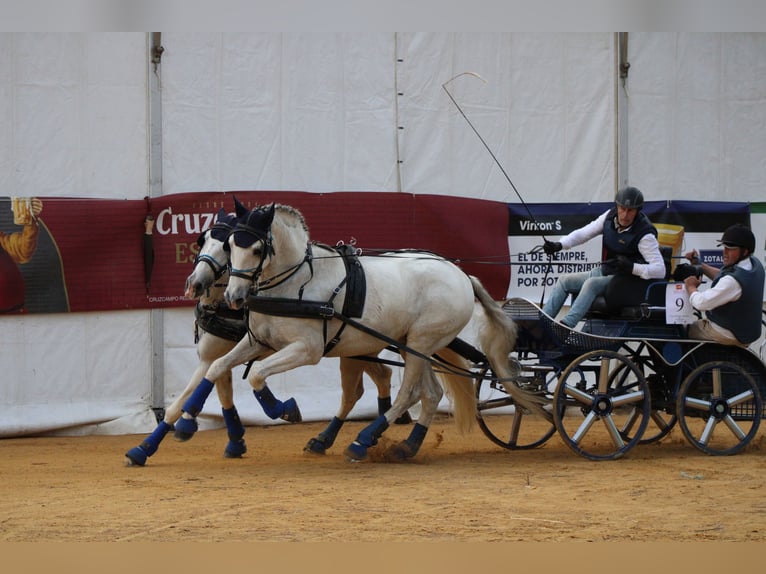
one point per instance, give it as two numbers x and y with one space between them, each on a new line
280 278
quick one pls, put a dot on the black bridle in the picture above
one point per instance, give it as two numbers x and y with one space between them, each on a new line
219 231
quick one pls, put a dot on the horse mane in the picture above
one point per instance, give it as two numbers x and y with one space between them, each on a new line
292 212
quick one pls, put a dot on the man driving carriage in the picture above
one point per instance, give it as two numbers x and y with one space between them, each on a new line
630 247
733 303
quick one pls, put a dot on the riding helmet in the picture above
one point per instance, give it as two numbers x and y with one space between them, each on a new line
738 235
629 197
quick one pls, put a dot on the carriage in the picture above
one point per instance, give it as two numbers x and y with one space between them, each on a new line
624 379
620 381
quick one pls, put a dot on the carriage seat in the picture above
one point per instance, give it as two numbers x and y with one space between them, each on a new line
630 297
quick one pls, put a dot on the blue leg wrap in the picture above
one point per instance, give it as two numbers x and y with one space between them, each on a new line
196 401
369 436
276 409
416 438
291 413
371 433
324 439
328 435
234 426
149 446
185 429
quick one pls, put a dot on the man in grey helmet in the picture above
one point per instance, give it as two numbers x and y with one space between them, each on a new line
733 304
630 247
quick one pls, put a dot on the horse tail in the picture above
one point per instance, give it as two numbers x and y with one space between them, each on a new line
497 339
459 389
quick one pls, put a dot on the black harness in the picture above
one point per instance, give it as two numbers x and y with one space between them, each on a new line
353 304
221 321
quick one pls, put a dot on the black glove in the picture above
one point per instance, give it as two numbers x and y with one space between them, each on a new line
624 265
552 247
684 270
619 265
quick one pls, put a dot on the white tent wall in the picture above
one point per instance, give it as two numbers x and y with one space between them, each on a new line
73 124
339 112
697 115
298 112
545 108
327 112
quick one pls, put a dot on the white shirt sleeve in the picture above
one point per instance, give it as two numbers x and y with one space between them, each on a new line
585 233
654 268
727 289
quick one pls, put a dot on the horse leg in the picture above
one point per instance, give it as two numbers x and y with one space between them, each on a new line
407 396
236 446
381 376
276 409
137 455
431 394
242 352
351 372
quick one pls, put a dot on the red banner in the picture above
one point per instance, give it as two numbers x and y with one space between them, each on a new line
96 254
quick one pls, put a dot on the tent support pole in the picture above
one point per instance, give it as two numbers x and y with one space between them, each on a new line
154 115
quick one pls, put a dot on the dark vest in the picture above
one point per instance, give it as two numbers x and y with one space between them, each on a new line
625 243
11 284
743 316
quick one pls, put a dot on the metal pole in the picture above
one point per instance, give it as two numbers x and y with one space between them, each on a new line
621 103
154 115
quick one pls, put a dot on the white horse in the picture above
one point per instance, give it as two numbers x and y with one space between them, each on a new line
217 329
301 297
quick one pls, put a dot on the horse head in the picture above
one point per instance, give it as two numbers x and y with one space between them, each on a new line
267 246
211 261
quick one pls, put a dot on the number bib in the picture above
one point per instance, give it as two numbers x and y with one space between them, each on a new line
678 310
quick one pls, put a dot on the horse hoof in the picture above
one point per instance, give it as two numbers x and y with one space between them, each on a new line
404 419
355 452
185 429
399 452
315 446
292 413
235 449
135 457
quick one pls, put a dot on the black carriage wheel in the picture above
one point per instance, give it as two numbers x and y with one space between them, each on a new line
662 419
719 408
503 422
601 405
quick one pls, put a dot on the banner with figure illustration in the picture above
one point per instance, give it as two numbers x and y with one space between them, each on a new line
76 254
681 225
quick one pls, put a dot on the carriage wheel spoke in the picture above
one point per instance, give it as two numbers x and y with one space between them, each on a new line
698 404
613 432
659 420
745 396
584 427
630 422
707 432
717 383
603 376
578 395
516 426
628 398
734 427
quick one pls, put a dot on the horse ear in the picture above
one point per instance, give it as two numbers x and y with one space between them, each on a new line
239 209
221 214
270 214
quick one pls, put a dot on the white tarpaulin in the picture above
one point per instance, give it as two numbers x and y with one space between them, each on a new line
339 112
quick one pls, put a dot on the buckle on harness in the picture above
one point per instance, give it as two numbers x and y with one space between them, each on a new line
326 311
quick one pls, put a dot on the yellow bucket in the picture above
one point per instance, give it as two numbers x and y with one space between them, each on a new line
671 236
